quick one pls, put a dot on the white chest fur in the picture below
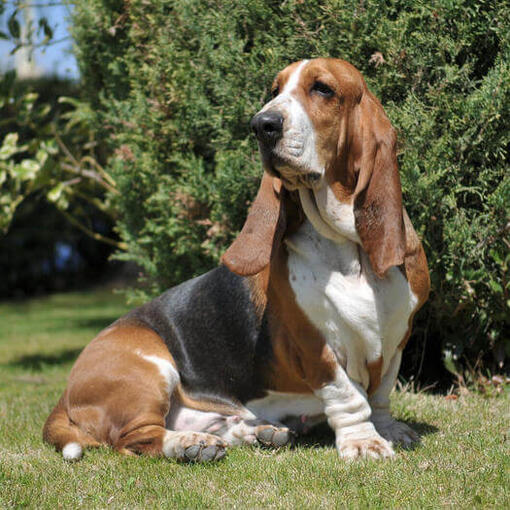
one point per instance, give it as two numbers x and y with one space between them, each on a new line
361 316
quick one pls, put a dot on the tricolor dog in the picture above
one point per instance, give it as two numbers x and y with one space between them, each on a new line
304 321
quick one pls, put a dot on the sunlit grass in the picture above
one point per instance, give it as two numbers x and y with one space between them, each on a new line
463 461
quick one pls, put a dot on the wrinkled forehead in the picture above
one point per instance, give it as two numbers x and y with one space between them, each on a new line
283 77
334 72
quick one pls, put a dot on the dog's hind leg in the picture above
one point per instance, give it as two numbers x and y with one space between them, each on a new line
254 431
183 446
235 430
65 435
119 393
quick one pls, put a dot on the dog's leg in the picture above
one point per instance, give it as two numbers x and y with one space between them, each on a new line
235 430
238 431
389 428
348 413
183 445
121 389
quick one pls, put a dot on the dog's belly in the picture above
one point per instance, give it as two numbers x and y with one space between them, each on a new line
276 406
299 412
361 316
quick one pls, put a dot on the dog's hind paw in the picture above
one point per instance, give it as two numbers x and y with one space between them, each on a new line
193 446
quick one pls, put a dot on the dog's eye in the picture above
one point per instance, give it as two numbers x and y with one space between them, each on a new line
322 89
275 92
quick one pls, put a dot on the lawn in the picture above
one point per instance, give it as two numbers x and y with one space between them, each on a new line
462 462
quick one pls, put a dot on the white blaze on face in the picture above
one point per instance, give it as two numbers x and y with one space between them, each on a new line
297 147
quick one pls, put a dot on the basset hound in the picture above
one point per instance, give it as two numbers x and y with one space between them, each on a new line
304 321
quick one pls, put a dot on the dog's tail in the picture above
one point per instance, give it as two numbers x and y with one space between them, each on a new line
65 435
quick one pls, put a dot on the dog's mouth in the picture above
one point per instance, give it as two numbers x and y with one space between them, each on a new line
292 180
288 169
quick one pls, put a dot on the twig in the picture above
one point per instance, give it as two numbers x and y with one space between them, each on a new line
70 182
77 168
491 239
101 170
39 45
90 174
95 202
95 235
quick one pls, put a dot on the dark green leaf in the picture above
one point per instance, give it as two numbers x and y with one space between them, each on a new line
14 26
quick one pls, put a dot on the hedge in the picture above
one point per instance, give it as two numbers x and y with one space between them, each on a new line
175 82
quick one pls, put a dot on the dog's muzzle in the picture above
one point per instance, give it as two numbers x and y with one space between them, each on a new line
277 160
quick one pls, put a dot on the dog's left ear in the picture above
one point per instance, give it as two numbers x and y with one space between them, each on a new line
378 194
262 231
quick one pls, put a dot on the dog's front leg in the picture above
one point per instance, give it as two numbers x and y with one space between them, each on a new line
348 413
389 428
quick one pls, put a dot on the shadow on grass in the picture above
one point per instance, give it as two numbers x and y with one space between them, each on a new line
59 325
322 435
37 362
97 324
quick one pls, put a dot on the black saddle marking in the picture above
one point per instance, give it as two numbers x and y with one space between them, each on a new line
221 346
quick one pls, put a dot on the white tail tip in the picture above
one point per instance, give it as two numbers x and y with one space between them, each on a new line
72 451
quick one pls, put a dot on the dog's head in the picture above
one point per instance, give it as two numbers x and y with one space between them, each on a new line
324 128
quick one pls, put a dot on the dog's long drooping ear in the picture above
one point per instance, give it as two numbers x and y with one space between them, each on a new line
262 231
378 194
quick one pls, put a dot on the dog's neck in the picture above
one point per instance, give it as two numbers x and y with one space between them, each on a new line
330 217
328 237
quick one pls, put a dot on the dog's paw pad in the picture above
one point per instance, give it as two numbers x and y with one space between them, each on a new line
192 452
193 446
273 437
202 453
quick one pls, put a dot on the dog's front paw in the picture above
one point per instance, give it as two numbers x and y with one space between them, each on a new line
397 432
273 437
373 448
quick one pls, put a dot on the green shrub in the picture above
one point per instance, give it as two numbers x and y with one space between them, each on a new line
47 189
175 82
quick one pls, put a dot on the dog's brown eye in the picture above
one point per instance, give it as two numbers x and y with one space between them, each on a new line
275 92
322 89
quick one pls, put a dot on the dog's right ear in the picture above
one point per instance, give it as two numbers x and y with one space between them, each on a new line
262 232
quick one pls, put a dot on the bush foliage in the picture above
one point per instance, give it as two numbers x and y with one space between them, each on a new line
175 82
50 191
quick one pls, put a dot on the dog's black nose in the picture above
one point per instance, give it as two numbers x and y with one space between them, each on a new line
267 126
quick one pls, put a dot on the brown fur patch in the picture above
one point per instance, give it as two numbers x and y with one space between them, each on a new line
416 271
181 398
114 396
258 290
375 374
145 439
302 360
262 232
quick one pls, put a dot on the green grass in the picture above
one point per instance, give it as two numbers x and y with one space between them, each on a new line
463 461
